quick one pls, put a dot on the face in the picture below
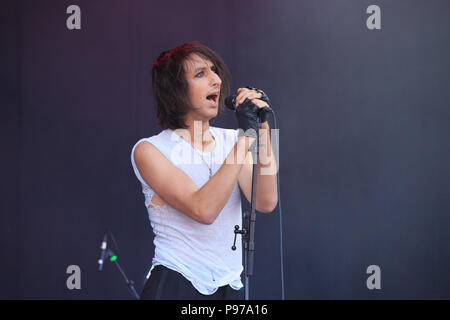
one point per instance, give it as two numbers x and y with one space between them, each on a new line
204 87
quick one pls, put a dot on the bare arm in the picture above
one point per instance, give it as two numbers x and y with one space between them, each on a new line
177 189
266 182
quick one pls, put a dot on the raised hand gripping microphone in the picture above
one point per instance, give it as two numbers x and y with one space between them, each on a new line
230 103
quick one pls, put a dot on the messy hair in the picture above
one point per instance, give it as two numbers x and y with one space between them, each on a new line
170 87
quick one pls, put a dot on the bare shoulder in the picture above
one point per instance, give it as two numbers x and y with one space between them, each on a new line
144 149
169 182
147 158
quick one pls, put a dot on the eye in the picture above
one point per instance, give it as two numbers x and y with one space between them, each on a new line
214 69
199 74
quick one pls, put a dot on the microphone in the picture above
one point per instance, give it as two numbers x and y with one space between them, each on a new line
230 103
103 252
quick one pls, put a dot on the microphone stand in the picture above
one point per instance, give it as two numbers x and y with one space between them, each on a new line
130 284
109 254
248 232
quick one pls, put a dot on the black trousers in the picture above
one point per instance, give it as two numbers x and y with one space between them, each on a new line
166 284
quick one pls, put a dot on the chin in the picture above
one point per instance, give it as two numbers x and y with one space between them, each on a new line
215 114
213 111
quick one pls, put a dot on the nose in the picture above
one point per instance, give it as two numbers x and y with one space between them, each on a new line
215 80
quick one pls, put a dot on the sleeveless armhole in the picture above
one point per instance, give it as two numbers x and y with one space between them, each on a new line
157 142
135 169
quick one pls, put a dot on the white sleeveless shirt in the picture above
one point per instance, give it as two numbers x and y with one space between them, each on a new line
201 253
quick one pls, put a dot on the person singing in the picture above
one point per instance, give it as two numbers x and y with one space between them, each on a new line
191 175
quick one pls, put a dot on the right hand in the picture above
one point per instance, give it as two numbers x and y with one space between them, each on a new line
247 117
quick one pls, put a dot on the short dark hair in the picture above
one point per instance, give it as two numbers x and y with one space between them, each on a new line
170 87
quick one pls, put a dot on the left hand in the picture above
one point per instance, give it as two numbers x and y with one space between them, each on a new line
252 95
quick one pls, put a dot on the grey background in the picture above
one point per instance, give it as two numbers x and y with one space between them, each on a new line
364 128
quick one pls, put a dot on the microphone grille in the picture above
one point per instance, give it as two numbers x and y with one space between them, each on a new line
230 102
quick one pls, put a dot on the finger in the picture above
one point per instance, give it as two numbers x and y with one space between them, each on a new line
236 103
260 103
242 98
250 90
241 90
243 94
246 95
251 96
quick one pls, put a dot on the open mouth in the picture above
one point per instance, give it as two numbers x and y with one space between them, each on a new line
213 98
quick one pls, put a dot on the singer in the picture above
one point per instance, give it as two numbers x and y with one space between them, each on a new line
191 175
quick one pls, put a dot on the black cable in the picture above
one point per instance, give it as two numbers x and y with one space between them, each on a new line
281 216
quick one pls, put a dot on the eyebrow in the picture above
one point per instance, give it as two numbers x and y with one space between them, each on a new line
201 68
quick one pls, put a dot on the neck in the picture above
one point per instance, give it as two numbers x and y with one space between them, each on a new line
200 135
